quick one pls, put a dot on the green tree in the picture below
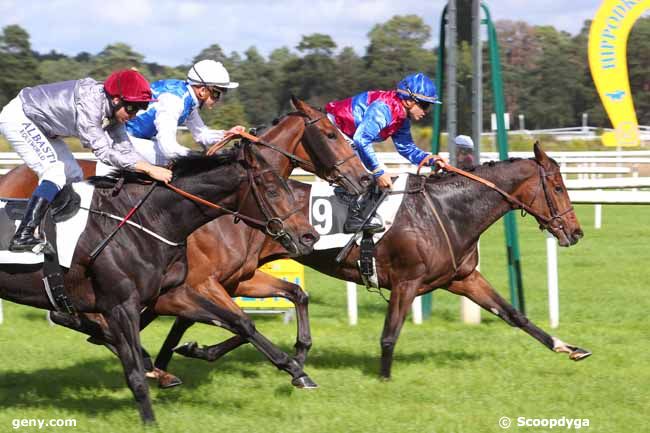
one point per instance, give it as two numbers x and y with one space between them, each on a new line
397 49
349 72
638 58
312 77
114 57
256 90
18 63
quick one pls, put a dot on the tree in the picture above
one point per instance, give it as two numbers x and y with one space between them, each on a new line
312 76
114 57
256 90
397 49
213 52
638 58
349 72
17 63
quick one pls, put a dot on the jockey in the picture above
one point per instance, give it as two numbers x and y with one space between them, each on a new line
153 132
35 120
374 116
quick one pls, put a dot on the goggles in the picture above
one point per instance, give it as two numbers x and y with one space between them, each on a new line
134 107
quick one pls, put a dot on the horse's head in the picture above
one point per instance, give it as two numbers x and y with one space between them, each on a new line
550 200
332 156
269 199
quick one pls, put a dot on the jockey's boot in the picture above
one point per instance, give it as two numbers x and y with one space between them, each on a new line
24 239
356 217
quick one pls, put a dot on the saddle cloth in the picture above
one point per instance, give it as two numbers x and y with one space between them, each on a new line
327 213
67 232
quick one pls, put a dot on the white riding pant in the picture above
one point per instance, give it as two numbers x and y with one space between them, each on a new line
49 158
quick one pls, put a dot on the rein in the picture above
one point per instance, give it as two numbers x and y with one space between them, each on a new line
295 160
515 203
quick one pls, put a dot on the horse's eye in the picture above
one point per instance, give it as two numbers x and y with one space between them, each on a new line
558 189
331 135
272 193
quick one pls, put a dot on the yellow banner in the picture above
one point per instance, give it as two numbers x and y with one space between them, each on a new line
284 269
608 63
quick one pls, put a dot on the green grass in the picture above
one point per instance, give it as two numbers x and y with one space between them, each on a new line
447 377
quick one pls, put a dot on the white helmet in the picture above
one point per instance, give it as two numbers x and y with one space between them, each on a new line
210 73
464 141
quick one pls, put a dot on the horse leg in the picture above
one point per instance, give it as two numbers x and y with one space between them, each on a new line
210 303
401 298
479 290
265 286
96 328
210 353
124 324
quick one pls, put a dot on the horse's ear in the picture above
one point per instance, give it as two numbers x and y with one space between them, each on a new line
295 102
540 155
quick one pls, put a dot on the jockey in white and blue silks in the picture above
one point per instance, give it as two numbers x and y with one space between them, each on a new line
374 116
153 132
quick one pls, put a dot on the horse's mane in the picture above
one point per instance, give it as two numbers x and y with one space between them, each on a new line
198 162
477 169
193 163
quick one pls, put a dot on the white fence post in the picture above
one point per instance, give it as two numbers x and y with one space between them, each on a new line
470 313
552 275
1 314
352 303
416 307
598 214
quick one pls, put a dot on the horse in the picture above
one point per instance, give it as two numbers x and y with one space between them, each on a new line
432 244
305 138
119 283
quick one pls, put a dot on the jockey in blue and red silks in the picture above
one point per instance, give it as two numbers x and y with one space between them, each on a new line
374 116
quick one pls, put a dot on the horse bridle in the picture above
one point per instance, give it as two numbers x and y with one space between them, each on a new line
273 225
308 165
544 222
296 161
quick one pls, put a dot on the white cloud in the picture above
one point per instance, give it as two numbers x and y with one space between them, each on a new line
171 32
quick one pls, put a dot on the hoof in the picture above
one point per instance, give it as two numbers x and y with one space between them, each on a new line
578 354
186 349
304 382
168 380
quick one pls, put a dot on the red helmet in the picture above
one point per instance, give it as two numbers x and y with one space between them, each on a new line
128 85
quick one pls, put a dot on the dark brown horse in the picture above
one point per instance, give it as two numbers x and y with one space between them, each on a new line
135 267
311 142
418 255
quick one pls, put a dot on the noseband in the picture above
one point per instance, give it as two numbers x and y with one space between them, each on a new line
544 222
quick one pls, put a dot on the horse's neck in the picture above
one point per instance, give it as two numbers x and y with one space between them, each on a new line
285 136
479 206
175 217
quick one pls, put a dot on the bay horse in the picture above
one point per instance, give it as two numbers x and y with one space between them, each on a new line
134 267
306 139
432 244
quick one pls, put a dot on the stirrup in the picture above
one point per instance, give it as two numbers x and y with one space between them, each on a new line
28 247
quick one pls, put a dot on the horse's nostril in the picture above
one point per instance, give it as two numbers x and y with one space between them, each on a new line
308 240
365 181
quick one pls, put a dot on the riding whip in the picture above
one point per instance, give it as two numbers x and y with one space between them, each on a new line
99 248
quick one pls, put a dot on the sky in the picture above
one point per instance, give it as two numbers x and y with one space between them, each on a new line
172 32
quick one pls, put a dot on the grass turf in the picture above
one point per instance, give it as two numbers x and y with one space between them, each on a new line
447 377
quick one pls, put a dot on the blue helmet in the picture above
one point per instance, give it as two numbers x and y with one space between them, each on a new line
419 87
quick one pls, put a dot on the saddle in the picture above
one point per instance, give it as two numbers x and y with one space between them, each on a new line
65 206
